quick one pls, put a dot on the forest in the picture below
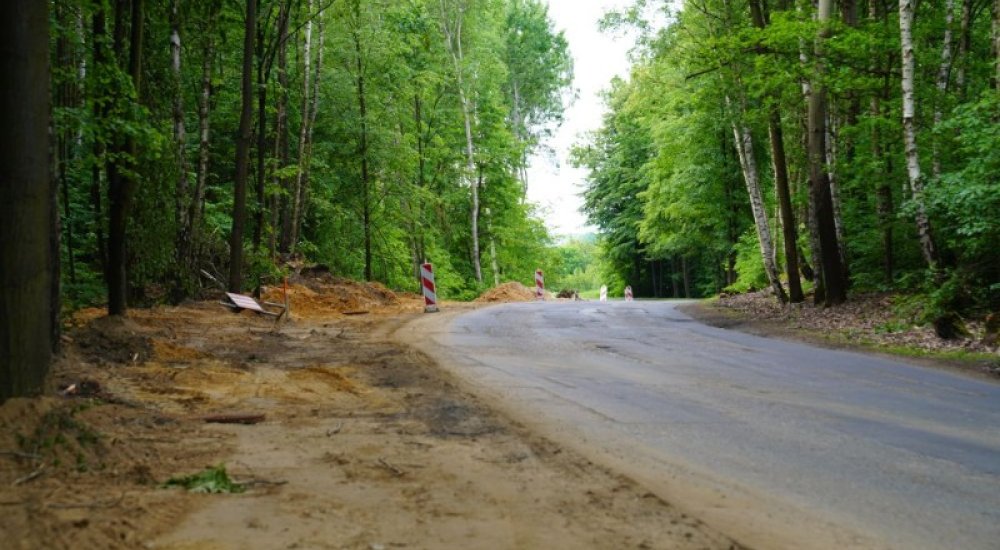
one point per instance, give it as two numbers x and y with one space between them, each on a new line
239 139
236 136
815 149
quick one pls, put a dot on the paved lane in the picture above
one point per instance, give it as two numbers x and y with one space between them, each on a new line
836 448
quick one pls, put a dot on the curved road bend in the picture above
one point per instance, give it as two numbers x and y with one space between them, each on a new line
778 444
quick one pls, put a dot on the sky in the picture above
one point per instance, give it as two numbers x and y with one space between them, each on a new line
597 57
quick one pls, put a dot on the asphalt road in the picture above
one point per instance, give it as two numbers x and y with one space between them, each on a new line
777 444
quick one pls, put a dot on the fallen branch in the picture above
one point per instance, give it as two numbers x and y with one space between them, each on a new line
29 477
91 505
19 454
234 418
335 430
255 481
385 464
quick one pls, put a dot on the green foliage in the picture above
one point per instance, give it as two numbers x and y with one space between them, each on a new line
212 479
392 57
664 185
749 265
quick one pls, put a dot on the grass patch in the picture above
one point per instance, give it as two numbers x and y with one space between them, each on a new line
213 479
60 436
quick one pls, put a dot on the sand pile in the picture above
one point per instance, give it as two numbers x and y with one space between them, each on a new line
319 297
508 292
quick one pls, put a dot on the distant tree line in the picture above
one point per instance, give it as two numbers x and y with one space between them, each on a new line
805 147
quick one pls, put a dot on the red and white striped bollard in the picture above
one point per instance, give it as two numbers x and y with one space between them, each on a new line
430 294
628 294
539 285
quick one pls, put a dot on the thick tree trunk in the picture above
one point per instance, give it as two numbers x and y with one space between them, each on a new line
833 270
99 35
27 201
927 246
242 153
121 185
788 224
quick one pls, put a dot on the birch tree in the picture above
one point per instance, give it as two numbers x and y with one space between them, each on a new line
452 18
908 82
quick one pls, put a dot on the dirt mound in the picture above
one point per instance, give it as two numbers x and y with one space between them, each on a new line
508 292
324 294
112 340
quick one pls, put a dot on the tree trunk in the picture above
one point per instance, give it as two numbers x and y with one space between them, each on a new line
65 97
778 162
996 45
291 237
27 205
748 163
453 37
204 112
121 186
261 208
833 270
313 111
181 193
687 276
943 74
927 246
831 156
788 224
279 206
242 153
363 152
416 232
99 35
964 45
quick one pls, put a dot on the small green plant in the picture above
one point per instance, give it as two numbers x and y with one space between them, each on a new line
213 479
51 432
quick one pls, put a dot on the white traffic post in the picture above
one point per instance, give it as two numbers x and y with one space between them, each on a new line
539 285
604 293
628 294
430 294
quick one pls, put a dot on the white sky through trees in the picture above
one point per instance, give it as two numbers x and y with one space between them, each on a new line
597 57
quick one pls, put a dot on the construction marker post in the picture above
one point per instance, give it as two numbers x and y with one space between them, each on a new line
430 294
539 285
604 293
628 294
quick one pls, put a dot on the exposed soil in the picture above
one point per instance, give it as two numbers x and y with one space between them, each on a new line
365 442
868 322
510 292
